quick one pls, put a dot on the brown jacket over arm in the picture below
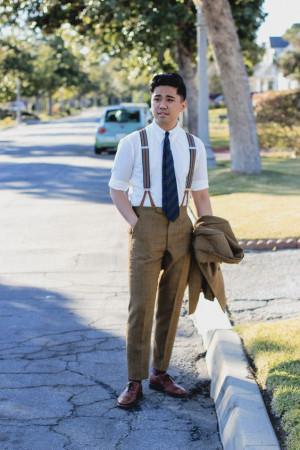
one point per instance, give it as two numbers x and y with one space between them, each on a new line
213 243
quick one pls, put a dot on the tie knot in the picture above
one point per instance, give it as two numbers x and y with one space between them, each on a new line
167 134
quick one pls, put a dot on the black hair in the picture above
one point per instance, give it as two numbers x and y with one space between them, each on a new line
169 79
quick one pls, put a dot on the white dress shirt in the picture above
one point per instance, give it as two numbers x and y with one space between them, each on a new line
127 171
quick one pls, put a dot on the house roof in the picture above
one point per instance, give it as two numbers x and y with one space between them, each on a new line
278 42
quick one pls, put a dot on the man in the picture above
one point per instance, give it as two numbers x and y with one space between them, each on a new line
155 166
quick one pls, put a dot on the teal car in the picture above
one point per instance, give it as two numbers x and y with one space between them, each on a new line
116 122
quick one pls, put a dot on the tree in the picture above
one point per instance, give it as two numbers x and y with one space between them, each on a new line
248 17
126 26
16 62
162 34
290 60
42 65
224 41
55 66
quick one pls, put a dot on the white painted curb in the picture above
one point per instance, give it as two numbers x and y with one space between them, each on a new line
244 423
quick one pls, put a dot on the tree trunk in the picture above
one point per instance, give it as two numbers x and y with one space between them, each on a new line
38 107
187 71
50 103
225 45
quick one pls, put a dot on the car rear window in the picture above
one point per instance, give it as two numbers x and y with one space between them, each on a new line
122 115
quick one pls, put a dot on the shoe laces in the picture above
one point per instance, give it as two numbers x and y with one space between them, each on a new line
168 377
130 386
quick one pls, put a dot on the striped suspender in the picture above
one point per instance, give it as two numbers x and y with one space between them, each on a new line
146 167
145 158
192 148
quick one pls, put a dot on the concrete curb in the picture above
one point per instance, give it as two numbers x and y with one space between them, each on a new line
270 244
243 420
244 423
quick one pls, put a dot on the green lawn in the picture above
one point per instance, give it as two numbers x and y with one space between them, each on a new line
259 206
218 128
7 122
274 349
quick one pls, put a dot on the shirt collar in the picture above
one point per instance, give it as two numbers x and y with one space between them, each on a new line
161 133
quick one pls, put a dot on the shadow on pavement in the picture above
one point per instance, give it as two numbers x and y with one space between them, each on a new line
75 119
53 369
42 150
64 181
60 378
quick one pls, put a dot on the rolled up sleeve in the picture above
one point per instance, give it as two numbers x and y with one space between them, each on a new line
123 166
200 178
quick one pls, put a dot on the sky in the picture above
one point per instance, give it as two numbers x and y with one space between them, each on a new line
282 14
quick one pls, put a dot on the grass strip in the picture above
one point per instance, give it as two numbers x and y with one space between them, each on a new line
261 206
274 349
260 216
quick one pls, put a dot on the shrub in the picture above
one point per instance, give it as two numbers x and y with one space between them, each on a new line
275 137
4 113
278 119
282 107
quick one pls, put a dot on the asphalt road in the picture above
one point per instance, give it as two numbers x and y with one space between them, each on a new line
265 286
64 297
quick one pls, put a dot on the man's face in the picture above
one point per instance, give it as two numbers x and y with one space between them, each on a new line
166 106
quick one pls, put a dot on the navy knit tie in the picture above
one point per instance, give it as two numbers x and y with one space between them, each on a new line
169 186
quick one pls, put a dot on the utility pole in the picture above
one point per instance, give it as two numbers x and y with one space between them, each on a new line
203 91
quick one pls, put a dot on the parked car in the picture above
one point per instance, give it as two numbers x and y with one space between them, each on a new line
116 122
219 100
15 106
145 107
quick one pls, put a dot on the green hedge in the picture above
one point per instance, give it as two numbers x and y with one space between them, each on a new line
278 119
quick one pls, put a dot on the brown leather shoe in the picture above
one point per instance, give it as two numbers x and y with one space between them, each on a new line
165 383
131 395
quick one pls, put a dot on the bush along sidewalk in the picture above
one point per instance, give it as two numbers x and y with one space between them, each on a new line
278 119
274 352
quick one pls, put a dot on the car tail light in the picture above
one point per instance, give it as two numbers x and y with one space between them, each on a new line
101 130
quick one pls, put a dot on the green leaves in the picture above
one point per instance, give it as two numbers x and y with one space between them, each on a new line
42 65
120 27
290 60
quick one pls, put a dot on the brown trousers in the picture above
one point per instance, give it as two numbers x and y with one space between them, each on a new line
159 258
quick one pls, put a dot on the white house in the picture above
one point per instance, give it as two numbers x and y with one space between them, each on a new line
267 75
